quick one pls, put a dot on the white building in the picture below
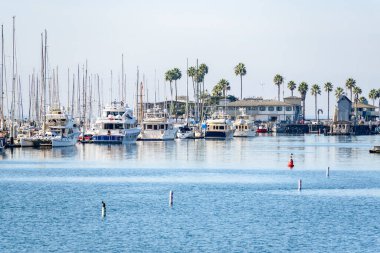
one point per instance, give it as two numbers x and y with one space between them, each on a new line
267 110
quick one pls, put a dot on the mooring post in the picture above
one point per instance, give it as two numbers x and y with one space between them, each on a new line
299 185
171 199
328 172
103 209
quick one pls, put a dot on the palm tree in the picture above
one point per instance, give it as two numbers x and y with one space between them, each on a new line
357 91
169 76
339 92
224 86
192 72
350 84
278 80
328 89
202 72
292 86
176 76
363 100
315 90
241 71
372 95
303 88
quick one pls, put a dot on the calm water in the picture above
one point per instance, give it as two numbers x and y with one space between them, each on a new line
229 196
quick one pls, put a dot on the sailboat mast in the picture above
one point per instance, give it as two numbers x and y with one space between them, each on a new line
187 91
44 85
122 78
2 79
13 83
137 97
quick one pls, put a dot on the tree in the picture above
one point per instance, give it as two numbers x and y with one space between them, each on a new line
278 80
357 91
373 95
241 71
350 84
202 72
192 72
363 100
292 86
176 76
315 91
339 92
303 88
328 88
221 88
169 76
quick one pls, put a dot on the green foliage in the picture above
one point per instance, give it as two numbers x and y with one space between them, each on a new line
328 87
278 80
292 86
315 90
363 100
303 88
339 92
221 88
240 69
373 94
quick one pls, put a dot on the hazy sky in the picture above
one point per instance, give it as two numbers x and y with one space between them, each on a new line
312 41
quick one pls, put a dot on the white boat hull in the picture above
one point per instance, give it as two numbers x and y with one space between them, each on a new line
26 142
158 135
248 133
130 135
65 141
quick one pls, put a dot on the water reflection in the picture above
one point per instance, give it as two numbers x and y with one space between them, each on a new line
261 152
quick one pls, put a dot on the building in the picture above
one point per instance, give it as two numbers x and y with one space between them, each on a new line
267 110
365 111
343 109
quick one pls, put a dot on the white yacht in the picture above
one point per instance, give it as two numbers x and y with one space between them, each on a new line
60 131
157 126
185 132
116 125
244 126
219 127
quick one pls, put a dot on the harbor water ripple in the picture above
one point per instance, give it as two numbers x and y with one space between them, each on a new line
229 196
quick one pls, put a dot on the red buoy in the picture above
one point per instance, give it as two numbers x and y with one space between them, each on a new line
291 163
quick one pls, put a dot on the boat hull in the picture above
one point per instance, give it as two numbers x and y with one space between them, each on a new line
131 135
109 139
158 135
65 141
219 134
244 133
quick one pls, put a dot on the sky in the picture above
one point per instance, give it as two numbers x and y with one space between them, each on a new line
311 41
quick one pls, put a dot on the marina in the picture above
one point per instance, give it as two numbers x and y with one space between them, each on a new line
189 126
237 186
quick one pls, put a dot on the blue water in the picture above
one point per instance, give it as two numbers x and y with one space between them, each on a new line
229 196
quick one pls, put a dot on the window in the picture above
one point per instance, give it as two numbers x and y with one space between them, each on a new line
149 127
279 108
288 108
162 127
270 108
155 127
108 126
118 126
262 108
221 127
254 108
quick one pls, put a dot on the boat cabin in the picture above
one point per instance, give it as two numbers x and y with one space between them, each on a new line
157 126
